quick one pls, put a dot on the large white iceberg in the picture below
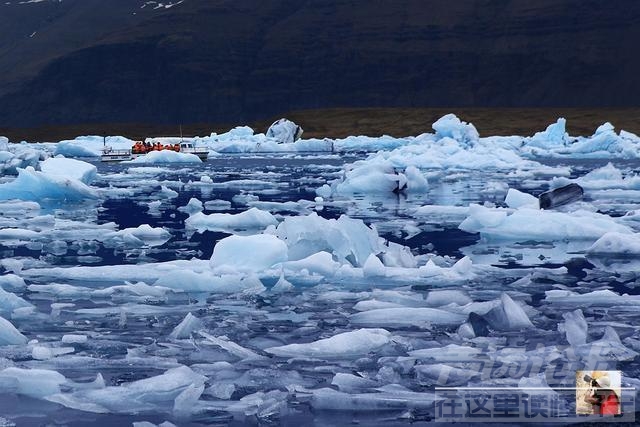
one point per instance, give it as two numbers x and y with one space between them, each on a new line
450 126
284 131
249 253
349 240
35 185
553 137
17 157
69 168
540 225
615 243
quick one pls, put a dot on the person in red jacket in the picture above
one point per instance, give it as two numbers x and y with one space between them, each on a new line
604 400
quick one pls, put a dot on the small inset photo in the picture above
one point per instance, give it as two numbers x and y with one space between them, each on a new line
598 392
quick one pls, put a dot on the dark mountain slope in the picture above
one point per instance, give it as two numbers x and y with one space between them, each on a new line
238 60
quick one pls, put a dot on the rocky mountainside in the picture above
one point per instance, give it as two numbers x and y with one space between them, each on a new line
80 61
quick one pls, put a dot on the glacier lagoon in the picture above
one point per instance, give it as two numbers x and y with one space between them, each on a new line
280 287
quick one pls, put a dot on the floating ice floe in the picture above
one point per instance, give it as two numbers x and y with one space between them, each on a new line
406 316
166 156
248 253
601 298
349 240
191 281
534 224
604 143
379 176
517 199
555 136
252 218
185 328
18 158
574 327
384 399
157 393
143 235
616 244
34 185
69 168
344 345
9 302
9 335
607 348
450 126
284 131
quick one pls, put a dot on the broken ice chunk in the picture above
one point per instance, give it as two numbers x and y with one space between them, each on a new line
575 327
344 345
184 329
9 335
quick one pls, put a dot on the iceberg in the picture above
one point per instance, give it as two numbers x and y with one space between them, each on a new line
231 253
575 327
321 263
10 302
156 393
18 158
406 316
616 244
508 315
36 383
284 131
377 176
191 281
450 126
349 240
69 168
166 156
185 328
517 199
9 335
34 185
534 224
143 235
553 137
250 219
345 345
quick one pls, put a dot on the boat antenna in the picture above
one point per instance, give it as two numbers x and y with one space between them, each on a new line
181 139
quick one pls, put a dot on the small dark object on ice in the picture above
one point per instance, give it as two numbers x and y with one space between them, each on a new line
560 196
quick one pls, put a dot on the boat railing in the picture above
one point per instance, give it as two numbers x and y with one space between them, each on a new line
115 152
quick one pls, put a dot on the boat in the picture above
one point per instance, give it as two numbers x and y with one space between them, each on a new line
109 154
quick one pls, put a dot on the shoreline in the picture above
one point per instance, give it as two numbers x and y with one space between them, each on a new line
343 122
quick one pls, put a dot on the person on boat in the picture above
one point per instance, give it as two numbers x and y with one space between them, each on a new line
603 400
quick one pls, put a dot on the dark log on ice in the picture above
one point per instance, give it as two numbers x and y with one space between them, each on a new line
560 196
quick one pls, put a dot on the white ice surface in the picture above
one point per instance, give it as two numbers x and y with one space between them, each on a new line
69 168
248 253
250 219
34 185
344 345
541 225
